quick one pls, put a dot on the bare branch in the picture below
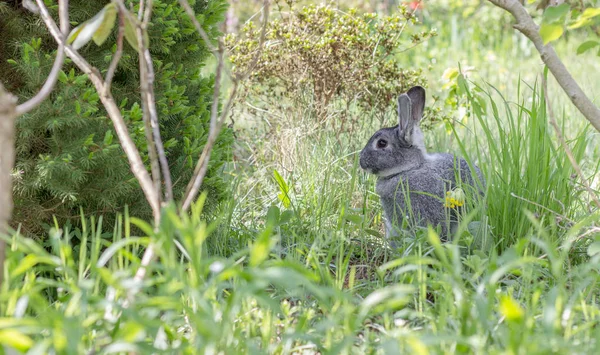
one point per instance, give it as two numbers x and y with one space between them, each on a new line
155 145
151 116
141 10
31 6
528 27
164 165
563 143
63 9
8 115
216 125
145 93
133 155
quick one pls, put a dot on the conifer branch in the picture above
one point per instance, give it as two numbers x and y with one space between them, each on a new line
133 155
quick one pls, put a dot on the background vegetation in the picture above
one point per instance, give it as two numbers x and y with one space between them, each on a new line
294 261
68 156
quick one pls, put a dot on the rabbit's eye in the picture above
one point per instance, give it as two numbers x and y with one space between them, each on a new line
382 143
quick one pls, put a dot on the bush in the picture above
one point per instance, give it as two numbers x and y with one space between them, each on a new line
335 56
67 155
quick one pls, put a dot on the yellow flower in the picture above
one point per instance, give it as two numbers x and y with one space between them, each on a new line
455 198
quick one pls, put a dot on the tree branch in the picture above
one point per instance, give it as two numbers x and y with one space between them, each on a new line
528 27
63 10
151 99
216 125
9 111
8 115
133 155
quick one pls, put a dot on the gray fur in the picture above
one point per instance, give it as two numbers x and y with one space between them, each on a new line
412 183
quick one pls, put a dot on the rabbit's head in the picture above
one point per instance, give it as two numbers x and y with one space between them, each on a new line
397 149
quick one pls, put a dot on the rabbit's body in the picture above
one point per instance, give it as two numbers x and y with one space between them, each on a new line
426 187
412 183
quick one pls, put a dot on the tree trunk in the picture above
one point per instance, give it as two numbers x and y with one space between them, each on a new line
8 104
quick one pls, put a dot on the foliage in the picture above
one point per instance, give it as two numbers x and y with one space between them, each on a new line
427 298
528 164
557 19
334 55
68 155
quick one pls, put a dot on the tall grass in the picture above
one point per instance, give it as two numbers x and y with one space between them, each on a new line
530 178
431 300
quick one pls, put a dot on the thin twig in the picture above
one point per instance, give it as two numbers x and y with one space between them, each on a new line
202 165
146 88
563 143
118 53
63 10
214 109
156 148
160 149
141 10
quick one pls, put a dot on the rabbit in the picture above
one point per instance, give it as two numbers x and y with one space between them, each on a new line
412 183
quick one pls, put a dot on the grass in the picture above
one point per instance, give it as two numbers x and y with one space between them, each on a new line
315 276
296 262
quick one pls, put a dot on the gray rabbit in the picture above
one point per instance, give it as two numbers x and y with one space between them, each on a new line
412 183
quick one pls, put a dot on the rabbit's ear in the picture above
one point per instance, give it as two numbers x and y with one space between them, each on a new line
405 122
417 98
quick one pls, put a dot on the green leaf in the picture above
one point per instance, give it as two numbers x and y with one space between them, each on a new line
30 261
511 309
114 248
108 138
286 216
15 339
131 23
585 19
391 297
590 13
62 77
579 23
550 33
585 46
593 249
83 33
555 13
354 218
284 189
107 24
463 87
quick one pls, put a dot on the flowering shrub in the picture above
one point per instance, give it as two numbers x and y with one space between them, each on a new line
333 55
